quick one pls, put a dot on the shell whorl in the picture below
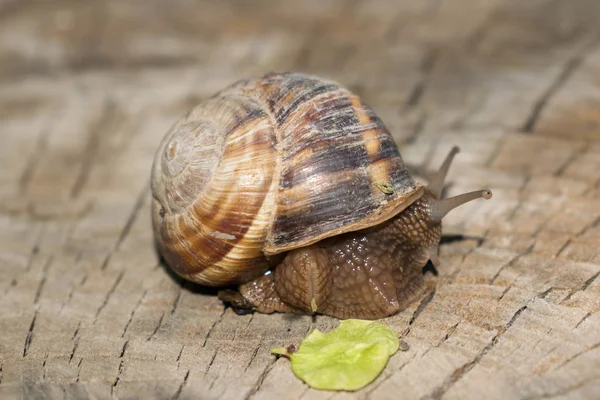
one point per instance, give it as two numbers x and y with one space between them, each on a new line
188 158
269 165
212 183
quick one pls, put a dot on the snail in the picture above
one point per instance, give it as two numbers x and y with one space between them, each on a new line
291 188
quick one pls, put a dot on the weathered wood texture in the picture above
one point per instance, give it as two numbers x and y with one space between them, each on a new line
88 88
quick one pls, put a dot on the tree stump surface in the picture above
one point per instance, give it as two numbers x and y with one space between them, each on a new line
89 88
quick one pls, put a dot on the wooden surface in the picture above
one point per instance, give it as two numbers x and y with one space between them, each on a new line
88 88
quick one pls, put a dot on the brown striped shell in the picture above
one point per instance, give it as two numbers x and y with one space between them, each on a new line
270 165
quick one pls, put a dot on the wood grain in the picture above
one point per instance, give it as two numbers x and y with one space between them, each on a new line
88 89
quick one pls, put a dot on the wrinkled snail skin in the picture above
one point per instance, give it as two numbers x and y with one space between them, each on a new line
368 274
294 174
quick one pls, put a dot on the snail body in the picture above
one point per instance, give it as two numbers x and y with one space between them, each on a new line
291 187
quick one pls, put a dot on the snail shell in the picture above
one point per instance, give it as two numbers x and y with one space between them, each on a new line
269 165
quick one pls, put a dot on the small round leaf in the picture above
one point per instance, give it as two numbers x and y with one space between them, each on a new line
348 358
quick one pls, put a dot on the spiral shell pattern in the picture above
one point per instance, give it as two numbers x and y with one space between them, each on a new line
269 165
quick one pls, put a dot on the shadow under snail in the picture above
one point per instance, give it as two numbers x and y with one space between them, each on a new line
290 187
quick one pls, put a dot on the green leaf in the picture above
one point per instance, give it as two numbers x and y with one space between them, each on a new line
348 358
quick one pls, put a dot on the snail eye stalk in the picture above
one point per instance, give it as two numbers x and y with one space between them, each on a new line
440 207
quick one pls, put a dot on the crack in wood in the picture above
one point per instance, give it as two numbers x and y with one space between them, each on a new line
592 186
301 60
124 349
75 345
182 284
250 320
420 87
565 391
547 352
110 292
496 152
103 64
576 355
42 283
595 223
304 392
449 333
120 371
91 150
440 342
586 316
562 248
509 264
36 246
13 283
76 331
477 35
583 287
210 363
513 212
569 68
312 325
247 325
72 292
449 239
212 384
44 369
253 357
545 293
474 106
179 355
157 327
416 130
79 369
421 169
75 339
41 145
128 225
29 337
422 306
572 158
261 379
106 261
460 372
139 203
133 312
213 326
180 389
